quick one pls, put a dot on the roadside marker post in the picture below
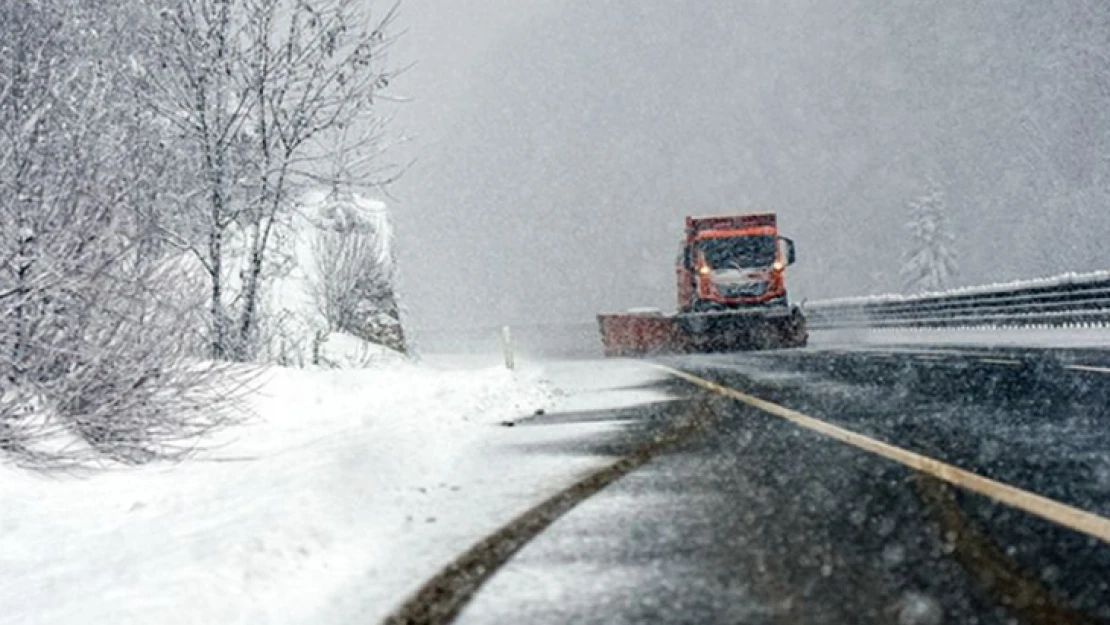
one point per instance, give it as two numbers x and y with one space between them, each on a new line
507 343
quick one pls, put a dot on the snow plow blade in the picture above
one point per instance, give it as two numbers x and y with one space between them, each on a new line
644 334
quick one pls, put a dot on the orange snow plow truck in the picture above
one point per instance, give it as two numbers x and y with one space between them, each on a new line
731 294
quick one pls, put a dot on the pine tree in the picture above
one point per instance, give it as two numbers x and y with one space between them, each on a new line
930 261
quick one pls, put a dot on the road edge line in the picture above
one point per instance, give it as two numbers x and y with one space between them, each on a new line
1087 368
1062 514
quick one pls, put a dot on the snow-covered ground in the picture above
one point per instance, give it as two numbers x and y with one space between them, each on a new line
348 490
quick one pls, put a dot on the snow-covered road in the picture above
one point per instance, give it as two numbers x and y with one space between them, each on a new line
765 518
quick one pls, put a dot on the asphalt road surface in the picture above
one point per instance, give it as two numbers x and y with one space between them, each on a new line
758 520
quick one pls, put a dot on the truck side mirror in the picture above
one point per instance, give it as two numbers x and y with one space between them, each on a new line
687 258
791 256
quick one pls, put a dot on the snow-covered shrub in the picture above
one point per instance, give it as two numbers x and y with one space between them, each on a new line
353 281
107 373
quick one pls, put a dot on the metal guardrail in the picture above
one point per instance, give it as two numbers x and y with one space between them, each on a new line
1061 301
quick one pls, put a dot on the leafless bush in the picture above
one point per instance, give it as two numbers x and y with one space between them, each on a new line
111 377
350 275
354 283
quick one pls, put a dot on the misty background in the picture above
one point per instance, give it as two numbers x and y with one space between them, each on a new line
558 146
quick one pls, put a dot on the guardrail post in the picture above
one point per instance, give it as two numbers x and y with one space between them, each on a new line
507 343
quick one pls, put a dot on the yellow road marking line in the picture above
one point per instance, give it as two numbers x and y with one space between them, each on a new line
1049 509
1000 361
1088 368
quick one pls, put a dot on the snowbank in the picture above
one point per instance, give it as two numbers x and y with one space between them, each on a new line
263 527
318 209
345 493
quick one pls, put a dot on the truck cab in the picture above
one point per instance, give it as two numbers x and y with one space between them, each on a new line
732 262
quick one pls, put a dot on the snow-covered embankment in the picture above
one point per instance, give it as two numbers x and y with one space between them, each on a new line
347 489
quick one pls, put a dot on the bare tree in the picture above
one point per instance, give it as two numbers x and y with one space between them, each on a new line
267 92
90 363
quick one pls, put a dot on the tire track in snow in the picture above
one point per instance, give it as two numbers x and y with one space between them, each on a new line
442 598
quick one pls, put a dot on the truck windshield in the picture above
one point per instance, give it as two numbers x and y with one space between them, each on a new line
739 252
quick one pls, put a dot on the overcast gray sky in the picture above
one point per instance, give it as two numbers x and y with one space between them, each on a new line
559 144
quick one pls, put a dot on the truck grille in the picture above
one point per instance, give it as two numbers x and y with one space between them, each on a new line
751 289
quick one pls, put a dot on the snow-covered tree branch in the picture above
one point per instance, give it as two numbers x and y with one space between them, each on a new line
266 92
94 356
